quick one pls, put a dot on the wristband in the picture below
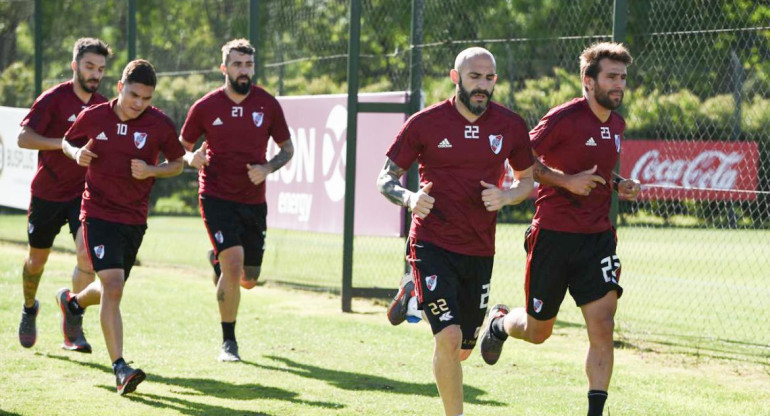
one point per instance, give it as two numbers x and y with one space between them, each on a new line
616 182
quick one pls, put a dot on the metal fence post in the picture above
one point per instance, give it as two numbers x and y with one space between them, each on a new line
131 30
415 95
354 44
38 47
619 21
254 35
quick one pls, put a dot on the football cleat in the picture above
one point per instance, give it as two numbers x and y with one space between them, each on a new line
229 351
27 328
492 346
128 378
72 324
397 310
215 265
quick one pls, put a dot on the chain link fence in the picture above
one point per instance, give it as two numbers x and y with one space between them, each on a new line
695 257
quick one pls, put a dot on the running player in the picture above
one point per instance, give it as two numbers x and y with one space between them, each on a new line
571 242
124 139
237 120
58 183
461 145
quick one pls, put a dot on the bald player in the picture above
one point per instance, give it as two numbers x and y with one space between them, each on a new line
460 145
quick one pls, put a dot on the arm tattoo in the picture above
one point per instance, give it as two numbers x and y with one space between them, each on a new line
539 171
283 156
389 185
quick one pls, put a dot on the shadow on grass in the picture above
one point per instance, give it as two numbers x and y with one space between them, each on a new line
360 381
183 406
205 388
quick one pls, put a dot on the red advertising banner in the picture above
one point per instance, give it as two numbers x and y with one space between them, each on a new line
308 193
702 170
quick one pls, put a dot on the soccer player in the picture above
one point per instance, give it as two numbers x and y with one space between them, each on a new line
461 145
58 183
571 242
124 139
237 121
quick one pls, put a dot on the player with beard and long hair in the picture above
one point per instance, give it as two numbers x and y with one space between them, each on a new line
571 244
461 146
237 121
58 184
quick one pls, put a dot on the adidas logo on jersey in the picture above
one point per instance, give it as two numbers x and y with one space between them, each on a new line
591 142
72 118
444 144
217 122
101 136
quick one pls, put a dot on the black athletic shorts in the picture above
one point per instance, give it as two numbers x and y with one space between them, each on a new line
452 289
586 264
46 218
231 224
112 245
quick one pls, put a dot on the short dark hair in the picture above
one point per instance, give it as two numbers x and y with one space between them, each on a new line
140 71
590 57
241 45
90 45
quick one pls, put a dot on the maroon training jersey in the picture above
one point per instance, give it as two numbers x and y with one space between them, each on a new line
237 135
456 154
572 139
58 178
111 193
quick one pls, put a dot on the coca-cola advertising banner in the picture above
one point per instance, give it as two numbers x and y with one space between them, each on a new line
705 170
309 192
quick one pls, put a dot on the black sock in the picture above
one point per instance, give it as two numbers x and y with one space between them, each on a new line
32 310
596 399
217 268
120 362
228 331
498 329
74 306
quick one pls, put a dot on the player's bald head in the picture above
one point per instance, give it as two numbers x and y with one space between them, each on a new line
470 53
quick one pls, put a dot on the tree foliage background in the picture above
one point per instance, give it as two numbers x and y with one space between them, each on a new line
701 68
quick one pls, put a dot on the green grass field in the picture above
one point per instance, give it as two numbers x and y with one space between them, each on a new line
302 356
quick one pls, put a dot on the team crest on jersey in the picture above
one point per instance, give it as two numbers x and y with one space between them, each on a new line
99 251
140 139
258 117
537 304
617 142
496 142
219 237
431 282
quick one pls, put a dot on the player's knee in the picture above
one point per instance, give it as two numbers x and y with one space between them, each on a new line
540 335
449 340
601 329
112 291
35 263
84 263
464 354
250 276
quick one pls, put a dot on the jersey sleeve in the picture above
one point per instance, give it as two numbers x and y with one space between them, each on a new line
170 146
279 130
40 115
520 157
546 134
192 129
407 146
79 131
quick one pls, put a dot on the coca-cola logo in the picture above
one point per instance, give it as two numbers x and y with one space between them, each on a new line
709 169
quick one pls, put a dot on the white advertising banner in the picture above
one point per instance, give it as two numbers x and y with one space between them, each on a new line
17 166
